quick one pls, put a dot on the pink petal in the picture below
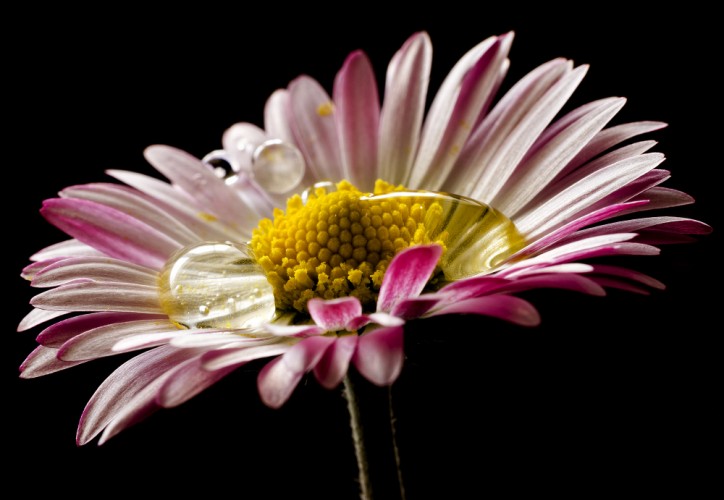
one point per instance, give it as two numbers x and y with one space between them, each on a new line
610 137
380 355
100 341
56 335
36 317
511 128
276 116
505 307
110 231
561 281
660 197
43 361
627 286
136 204
231 357
407 275
187 381
575 198
31 270
358 115
332 368
98 268
677 225
210 192
536 172
280 376
470 287
65 249
455 110
95 296
573 226
240 140
294 330
181 205
404 107
118 393
334 315
313 124
412 308
628 274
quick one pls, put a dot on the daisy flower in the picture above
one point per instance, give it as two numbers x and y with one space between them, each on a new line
310 242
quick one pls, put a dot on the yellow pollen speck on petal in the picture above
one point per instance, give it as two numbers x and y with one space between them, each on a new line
205 216
325 109
340 243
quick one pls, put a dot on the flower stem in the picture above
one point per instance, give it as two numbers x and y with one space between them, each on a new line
359 447
395 448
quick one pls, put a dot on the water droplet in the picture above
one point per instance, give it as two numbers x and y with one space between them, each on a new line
329 187
220 163
277 166
477 237
207 286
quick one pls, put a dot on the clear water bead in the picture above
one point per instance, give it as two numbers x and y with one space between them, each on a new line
216 285
277 166
329 187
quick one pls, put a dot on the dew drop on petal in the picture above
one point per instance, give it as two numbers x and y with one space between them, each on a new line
277 166
216 285
477 238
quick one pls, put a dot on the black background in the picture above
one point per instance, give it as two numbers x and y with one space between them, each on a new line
610 394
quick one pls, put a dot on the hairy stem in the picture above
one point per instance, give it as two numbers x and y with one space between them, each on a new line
359 448
395 448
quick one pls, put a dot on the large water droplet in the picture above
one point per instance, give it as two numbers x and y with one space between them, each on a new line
277 166
216 285
477 237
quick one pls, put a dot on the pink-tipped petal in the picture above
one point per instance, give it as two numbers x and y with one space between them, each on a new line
276 116
505 307
609 138
37 317
380 355
187 381
334 315
536 172
332 368
65 249
100 341
129 388
280 376
43 361
314 127
31 270
59 333
192 176
231 357
95 296
181 205
411 308
621 272
133 203
562 281
661 197
407 275
358 115
404 107
110 231
455 109
103 269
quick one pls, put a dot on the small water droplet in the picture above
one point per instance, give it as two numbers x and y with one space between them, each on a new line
206 286
329 187
220 163
277 166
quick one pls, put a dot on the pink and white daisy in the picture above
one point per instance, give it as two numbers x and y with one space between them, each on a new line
208 272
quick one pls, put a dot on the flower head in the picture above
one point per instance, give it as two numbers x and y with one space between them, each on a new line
312 241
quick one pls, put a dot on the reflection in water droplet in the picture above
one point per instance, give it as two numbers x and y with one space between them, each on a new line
211 285
329 187
277 166
477 237
219 161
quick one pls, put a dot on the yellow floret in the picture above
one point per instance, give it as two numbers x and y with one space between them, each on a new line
339 243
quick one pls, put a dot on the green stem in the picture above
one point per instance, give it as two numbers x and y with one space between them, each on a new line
359 448
395 448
